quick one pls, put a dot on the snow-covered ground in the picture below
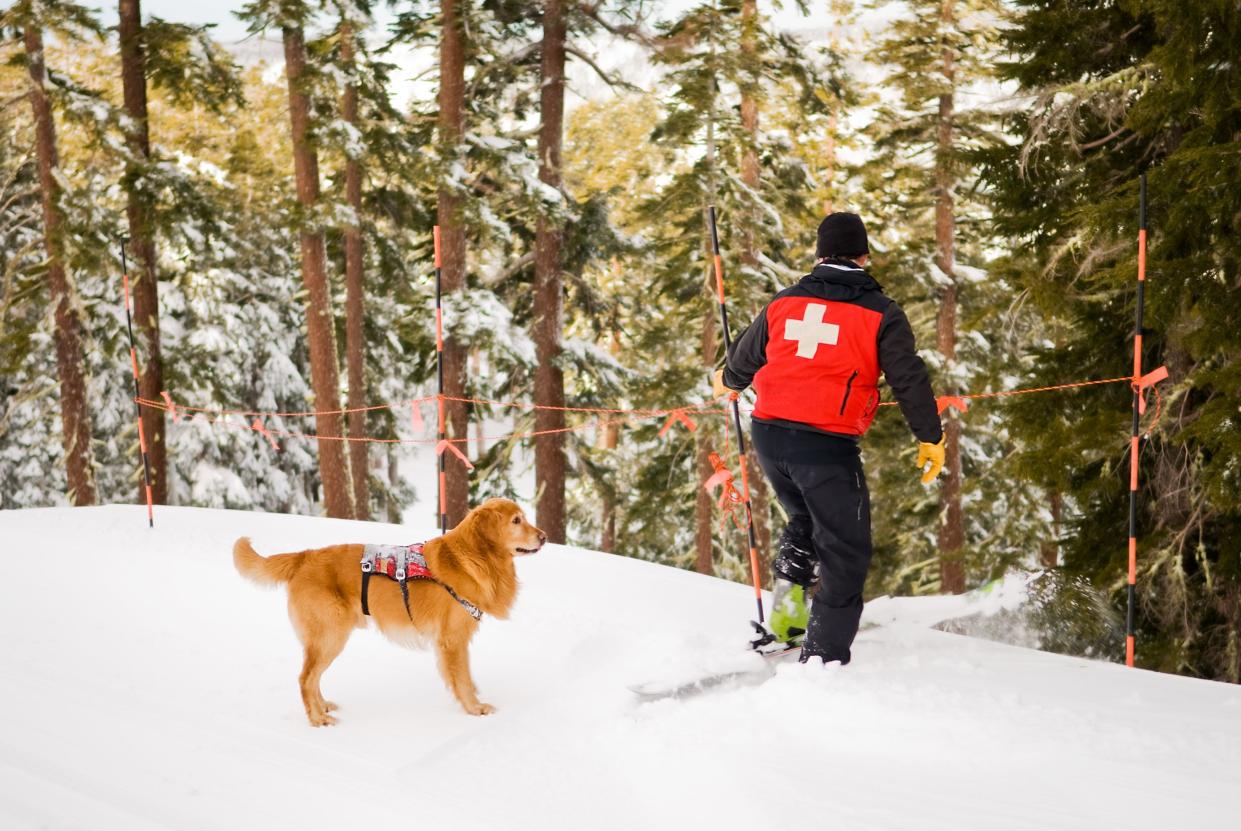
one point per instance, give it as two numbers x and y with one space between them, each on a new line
144 684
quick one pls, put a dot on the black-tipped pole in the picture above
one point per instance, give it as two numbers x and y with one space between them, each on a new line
745 476
439 374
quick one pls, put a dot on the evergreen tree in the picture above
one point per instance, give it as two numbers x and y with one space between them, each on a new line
31 20
719 56
933 246
292 17
1119 88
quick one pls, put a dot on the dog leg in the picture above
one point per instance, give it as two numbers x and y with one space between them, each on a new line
318 657
324 630
454 664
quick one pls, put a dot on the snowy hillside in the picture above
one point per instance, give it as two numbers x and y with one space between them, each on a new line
146 685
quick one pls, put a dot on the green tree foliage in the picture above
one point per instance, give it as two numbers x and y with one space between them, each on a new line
1118 88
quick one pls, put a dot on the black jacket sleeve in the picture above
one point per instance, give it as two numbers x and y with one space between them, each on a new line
748 355
907 376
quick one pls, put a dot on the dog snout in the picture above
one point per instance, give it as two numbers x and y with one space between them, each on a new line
542 538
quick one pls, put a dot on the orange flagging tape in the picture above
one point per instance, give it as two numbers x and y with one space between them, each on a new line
445 444
172 408
730 497
955 401
672 416
415 411
678 416
1150 379
258 427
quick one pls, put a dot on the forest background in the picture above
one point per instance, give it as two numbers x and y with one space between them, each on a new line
278 196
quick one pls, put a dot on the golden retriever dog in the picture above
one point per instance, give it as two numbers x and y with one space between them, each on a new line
475 560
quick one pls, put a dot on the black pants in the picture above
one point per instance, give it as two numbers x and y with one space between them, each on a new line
824 492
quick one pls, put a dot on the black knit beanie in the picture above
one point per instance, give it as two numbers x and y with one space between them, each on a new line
842 235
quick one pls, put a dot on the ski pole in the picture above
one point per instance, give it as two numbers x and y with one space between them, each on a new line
133 362
1133 446
439 372
745 476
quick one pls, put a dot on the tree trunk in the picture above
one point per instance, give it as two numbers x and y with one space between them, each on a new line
74 417
1049 549
751 174
452 248
749 124
703 505
324 366
952 527
355 298
838 11
144 285
549 453
611 438
480 439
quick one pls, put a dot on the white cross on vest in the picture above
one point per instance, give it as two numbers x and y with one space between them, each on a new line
811 331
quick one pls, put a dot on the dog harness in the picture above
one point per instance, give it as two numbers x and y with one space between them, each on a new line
403 563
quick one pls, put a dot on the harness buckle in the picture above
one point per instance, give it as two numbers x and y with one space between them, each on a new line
367 566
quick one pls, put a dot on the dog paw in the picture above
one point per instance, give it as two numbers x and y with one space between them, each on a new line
322 720
480 709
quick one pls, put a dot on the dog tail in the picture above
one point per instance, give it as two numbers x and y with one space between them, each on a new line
266 571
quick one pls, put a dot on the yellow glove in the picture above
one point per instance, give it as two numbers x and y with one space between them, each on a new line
717 384
933 453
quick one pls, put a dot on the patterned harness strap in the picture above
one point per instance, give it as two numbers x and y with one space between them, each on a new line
403 563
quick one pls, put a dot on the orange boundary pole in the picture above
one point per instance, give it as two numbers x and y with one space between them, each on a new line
745 474
133 363
1134 444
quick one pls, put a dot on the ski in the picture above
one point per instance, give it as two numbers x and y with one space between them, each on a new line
760 671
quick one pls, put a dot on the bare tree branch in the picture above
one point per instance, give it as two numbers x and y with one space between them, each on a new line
635 31
1091 145
610 80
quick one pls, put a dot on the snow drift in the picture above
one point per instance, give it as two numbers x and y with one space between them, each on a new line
146 685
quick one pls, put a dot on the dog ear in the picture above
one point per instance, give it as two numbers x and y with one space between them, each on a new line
490 518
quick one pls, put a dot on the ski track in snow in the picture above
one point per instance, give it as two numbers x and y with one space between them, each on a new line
146 685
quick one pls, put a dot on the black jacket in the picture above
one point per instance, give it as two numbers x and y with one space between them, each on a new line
843 282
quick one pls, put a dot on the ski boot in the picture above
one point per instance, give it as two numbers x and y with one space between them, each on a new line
796 568
817 644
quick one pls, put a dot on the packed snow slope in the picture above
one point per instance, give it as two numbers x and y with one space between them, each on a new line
145 685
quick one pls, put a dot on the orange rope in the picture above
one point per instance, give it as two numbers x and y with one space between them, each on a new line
147 402
258 427
629 415
1127 380
601 410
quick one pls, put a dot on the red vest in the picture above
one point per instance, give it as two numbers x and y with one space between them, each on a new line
822 365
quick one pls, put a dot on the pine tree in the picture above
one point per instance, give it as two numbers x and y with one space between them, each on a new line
711 75
1118 89
142 244
449 136
355 288
291 16
931 237
72 21
548 329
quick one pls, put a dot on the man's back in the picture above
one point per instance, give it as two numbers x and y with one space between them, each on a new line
815 353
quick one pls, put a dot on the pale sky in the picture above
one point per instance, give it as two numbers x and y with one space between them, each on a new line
229 28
